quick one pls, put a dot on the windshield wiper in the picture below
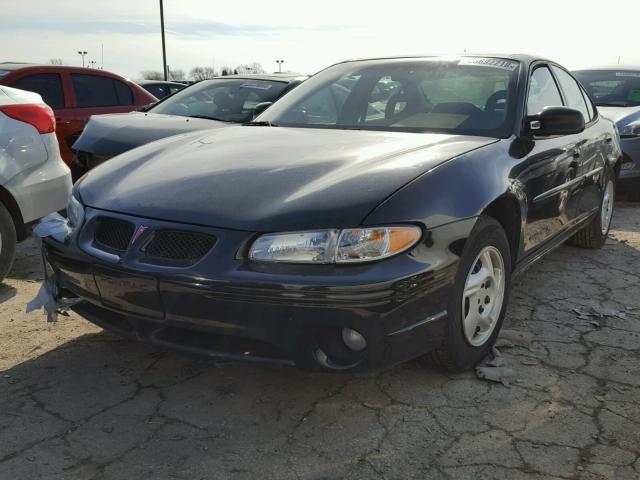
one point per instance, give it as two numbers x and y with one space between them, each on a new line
207 117
262 123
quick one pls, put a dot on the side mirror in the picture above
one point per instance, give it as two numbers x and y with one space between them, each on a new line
261 107
555 121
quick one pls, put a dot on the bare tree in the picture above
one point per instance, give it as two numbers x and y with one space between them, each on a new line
202 73
176 74
56 61
152 75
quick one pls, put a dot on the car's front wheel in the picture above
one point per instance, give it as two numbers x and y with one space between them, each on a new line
7 242
595 234
478 298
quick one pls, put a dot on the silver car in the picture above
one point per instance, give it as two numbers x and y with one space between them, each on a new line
616 92
34 181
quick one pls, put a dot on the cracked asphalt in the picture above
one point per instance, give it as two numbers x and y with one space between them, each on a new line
78 403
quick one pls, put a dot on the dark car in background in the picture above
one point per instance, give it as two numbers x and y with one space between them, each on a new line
374 214
215 103
616 92
74 94
161 89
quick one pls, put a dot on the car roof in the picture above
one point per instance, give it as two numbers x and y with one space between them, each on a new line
519 57
610 67
160 82
273 77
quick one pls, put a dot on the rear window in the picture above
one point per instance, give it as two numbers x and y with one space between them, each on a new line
97 91
48 85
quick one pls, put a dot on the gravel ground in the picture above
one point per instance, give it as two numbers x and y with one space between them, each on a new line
78 403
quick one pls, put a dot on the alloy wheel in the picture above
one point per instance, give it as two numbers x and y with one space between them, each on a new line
606 211
483 296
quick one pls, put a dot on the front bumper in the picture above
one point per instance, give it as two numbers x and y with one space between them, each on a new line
228 307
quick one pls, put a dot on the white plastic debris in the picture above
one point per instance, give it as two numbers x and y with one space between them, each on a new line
46 299
54 226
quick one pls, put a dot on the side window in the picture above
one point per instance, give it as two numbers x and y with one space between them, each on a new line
572 92
97 91
543 91
155 90
48 85
125 97
378 100
590 107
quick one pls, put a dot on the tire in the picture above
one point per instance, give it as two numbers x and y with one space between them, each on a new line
7 242
595 233
458 352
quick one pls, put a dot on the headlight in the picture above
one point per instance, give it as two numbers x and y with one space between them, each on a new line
631 130
75 213
335 246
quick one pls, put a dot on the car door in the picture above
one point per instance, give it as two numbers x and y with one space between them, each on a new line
50 86
552 168
596 144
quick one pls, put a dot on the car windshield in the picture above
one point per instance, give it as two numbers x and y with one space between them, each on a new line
467 95
228 100
612 88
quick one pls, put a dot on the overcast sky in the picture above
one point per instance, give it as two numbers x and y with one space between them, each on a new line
309 35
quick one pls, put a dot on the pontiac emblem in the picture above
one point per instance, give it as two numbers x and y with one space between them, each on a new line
141 229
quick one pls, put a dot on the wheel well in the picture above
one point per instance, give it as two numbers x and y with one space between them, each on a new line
507 212
12 207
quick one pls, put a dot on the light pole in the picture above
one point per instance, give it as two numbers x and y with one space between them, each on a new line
92 63
164 51
279 62
82 54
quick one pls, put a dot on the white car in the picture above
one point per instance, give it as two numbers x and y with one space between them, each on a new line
34 181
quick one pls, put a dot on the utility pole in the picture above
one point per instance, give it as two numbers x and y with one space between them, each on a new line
164 51
279 62
82 53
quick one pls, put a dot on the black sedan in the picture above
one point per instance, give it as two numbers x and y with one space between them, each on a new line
205 105
161 89
375 214
616 92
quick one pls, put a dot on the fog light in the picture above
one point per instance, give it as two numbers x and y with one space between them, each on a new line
354 340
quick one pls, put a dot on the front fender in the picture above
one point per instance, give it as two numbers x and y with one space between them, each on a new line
458 189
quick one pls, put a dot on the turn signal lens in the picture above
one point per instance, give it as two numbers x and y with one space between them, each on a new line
39 115
364 244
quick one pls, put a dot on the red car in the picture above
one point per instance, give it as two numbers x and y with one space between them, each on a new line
74 94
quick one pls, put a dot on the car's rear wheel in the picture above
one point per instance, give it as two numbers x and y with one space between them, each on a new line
478 298
7 242
595 234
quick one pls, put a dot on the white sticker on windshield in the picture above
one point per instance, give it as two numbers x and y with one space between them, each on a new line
627 74
256 86
490 62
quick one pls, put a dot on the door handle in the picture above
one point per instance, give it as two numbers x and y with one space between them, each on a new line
62 121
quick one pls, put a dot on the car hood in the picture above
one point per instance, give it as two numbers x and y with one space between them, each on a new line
113 134
268 178
620 115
